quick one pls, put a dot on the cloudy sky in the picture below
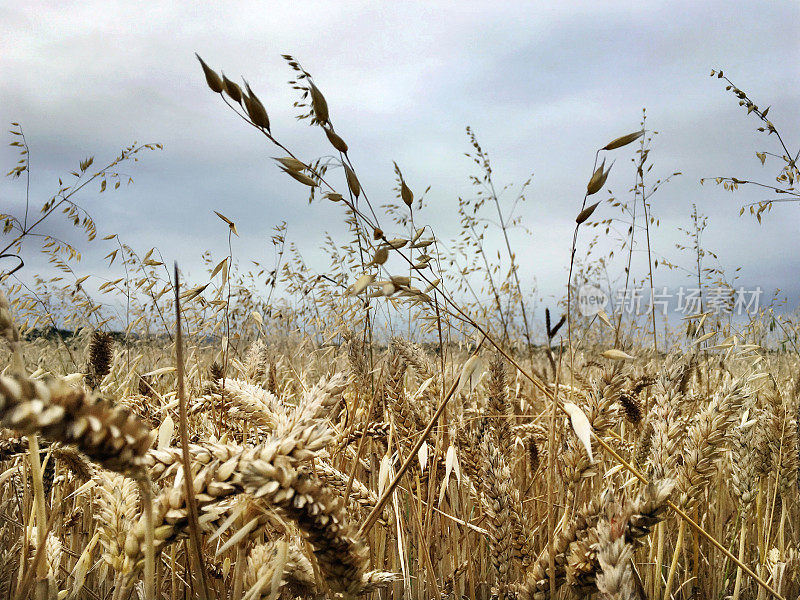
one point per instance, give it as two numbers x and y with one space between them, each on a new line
543 84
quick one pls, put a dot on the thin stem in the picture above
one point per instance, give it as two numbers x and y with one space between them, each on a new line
191 501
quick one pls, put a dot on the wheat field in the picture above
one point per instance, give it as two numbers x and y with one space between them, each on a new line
386 434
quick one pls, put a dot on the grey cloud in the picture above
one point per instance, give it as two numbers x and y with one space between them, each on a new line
543 84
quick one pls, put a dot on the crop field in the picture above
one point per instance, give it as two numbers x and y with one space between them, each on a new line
398 426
